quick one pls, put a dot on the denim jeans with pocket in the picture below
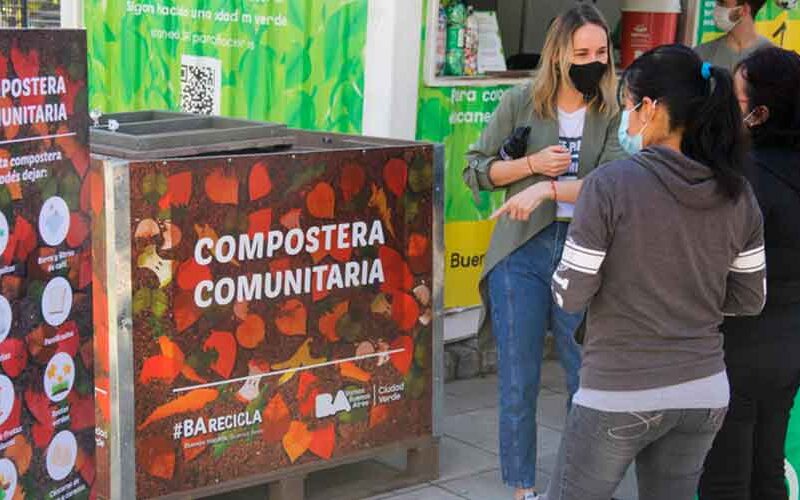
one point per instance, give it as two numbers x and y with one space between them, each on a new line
522 309
668 446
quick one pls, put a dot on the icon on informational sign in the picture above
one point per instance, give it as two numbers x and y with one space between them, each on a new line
3 233
6 398
54 221
5 318
61 455
8 479
59 377
56 301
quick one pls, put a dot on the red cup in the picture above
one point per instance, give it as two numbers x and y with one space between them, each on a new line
646 24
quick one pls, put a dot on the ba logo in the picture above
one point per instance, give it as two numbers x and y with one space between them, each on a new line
327 406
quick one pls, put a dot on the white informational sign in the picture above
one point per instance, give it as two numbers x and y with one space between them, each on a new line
490 45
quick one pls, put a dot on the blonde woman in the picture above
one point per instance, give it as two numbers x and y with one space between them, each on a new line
571 109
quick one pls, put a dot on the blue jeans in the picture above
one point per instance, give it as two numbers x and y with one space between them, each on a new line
522 309
669 447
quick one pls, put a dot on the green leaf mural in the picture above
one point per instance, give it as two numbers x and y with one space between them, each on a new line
298 62
298 65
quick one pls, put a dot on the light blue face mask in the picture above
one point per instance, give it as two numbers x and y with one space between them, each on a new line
631 144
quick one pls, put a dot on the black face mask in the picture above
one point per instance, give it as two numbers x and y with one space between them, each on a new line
586 78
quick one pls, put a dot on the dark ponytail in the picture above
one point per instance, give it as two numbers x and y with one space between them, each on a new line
700 100
713 135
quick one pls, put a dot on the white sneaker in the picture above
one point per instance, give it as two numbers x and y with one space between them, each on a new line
531 496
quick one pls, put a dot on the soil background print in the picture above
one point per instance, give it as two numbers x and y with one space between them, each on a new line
344 369
50 161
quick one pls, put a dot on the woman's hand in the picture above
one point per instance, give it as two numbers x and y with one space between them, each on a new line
521 205
552 161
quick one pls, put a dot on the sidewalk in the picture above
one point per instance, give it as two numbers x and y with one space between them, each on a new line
469 450
468 454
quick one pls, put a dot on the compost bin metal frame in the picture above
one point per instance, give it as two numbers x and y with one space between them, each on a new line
154 135
117 235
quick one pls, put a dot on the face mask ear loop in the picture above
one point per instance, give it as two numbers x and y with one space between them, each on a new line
641 132
753 115
747 118
738 10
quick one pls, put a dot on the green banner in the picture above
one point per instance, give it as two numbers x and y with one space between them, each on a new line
456 116
299 62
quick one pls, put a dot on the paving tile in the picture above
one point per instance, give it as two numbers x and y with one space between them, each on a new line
457 459
399 493
553 377
468 387
464 396
488 486
484 396
551 410
548 442
427 493
478 428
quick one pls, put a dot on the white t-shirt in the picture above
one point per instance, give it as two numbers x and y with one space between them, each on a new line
708 392
570 135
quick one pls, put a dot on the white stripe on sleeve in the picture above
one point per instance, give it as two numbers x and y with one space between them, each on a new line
752 261
582 259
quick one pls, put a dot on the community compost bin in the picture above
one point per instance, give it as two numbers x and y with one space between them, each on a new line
268 302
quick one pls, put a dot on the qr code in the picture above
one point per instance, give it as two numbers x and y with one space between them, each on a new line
201 85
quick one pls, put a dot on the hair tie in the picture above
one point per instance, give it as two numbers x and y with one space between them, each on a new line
706 71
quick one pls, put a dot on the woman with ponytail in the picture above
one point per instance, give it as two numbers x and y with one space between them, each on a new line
762 353
661 247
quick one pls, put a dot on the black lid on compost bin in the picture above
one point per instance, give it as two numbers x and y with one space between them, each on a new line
150 135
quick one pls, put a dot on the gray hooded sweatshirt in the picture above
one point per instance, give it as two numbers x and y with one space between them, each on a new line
659 254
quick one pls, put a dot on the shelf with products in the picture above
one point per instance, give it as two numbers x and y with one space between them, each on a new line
464 46
517 28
